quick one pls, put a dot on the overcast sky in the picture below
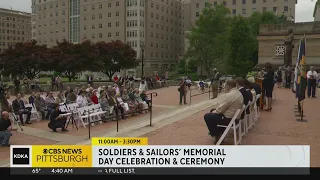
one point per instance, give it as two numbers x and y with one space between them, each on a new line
304 8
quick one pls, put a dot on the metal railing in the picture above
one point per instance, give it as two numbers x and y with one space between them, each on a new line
220 89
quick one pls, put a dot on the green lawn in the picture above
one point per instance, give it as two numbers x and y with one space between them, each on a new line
44 80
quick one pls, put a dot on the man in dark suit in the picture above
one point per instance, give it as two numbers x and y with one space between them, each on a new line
20 109
32 97
240 85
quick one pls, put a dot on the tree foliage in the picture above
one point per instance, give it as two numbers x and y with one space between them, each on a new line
114 56
241 42
227 43
25 59
28 59
208 38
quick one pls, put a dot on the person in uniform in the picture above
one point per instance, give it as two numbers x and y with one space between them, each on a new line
215 83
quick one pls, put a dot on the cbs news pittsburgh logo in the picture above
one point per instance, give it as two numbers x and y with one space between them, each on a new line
51 156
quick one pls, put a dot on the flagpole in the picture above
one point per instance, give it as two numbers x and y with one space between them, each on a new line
302 102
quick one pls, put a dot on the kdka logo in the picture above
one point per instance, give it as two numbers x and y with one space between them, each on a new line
20 156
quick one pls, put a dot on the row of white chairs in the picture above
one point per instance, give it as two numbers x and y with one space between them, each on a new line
241 128
92 113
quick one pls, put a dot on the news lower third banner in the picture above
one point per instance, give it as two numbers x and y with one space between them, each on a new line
135 153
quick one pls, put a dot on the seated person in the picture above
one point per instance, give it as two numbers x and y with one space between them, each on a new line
40 105
57 121
31 98
71 97
145 98
225 112
113 102
201 85
50 102
20 109
94 97
103 101
5 129
247 86
82 99
122 103
240 82
138 99
126 98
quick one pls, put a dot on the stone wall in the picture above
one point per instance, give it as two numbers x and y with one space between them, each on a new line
271 36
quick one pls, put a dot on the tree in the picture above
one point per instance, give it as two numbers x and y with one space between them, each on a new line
241 42
73 58
114 56
256 20
25 59
208 38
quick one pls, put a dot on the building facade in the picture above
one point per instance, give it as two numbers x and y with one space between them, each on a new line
15 26
155 25
243 7
271 43
316 11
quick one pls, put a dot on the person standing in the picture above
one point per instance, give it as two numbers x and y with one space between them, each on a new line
288 77
16 83
279 77
183 92
215 83
312 82
268 84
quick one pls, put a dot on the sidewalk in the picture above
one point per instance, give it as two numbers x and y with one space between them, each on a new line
278 127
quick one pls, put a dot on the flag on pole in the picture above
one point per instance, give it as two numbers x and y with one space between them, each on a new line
296 74
302 79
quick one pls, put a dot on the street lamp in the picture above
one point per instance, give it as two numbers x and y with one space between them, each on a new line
142 46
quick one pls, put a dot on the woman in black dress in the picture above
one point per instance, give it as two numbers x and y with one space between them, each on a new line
268 83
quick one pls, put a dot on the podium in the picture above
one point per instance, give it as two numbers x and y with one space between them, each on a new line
259 81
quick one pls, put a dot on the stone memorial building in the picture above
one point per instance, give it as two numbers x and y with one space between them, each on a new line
272 48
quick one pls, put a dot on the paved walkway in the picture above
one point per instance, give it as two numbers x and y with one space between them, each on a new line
278 127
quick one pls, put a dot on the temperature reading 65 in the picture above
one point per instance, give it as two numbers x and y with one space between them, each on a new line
36 171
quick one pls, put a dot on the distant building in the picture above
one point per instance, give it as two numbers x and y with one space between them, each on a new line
15 26
156 24
316 11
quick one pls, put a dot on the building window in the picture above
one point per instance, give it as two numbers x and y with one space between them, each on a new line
234 11
197 5
275 9
285 8
254 1
244 11
244 1
197 14
280 50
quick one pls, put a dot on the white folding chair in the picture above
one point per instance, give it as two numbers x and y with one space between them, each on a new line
34 113
83 116
232 125
250 117
245 119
